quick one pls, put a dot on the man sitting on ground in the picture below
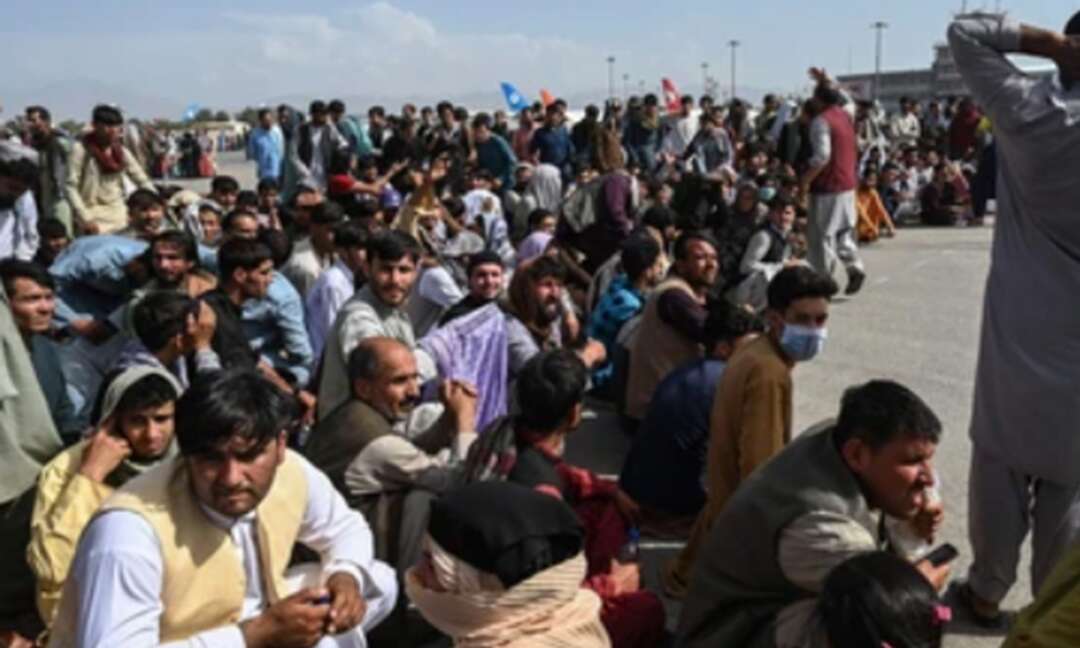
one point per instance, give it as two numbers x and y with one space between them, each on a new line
665 469
528 449
134 432
671 325
486 283
751 415
335 286
643 268
173 332
203 542
30 295
376 310
818 503
376 467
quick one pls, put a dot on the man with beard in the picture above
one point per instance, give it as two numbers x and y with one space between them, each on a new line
673 322
198 550
18 213
133 433
537 319
54 147
97 167
374 465
767 253
376 310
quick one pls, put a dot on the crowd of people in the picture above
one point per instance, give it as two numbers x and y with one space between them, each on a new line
332 408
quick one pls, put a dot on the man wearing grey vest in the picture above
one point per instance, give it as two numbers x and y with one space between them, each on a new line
816 504
387 456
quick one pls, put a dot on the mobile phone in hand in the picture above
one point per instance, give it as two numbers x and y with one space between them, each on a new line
943 554
322 600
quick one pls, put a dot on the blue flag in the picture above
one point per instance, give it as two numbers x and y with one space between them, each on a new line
514 100
190 112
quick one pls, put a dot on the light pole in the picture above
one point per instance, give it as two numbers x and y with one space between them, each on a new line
704 78
625 86
880 27
734 44
611 77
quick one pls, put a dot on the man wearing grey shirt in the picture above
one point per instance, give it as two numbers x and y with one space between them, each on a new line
1026 447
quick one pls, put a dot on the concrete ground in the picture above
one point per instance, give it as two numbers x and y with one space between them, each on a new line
916 321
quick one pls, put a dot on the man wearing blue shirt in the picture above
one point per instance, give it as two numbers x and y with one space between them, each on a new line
551 143
266 146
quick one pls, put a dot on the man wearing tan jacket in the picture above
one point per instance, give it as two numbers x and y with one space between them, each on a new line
95 175
752 411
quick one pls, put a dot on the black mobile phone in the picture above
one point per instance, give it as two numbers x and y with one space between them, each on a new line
943 554
322 600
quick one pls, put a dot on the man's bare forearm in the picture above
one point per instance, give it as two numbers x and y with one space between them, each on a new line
1043 43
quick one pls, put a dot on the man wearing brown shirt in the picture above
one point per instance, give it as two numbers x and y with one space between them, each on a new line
751 414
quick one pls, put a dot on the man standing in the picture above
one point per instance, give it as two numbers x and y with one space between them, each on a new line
682 129
670 333
1023 427
54 147
751 414
95 176
266 146
374 466
906 129
313 146
359 144
315 254
18 213
202 543
830 182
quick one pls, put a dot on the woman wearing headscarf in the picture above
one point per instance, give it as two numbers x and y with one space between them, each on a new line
502 567
133 432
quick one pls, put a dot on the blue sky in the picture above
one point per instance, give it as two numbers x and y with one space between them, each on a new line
231 54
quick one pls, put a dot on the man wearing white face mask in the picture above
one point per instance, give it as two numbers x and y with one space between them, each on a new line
751 414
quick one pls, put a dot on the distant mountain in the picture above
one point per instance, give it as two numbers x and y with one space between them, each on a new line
74 99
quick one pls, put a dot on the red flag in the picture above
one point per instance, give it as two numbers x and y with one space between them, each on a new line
672 99
546 98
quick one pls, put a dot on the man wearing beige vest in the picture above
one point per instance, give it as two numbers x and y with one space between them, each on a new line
195 551
673 322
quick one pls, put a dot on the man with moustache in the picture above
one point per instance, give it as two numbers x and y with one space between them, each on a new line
197 551
376 310
372 464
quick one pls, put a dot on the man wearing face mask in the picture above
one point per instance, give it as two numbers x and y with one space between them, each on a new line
374 466
750 420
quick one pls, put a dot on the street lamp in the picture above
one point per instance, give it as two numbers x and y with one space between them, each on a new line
880 27
625 85
733 44
611 77
704 78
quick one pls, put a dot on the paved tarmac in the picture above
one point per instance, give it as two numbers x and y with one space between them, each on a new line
916 321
